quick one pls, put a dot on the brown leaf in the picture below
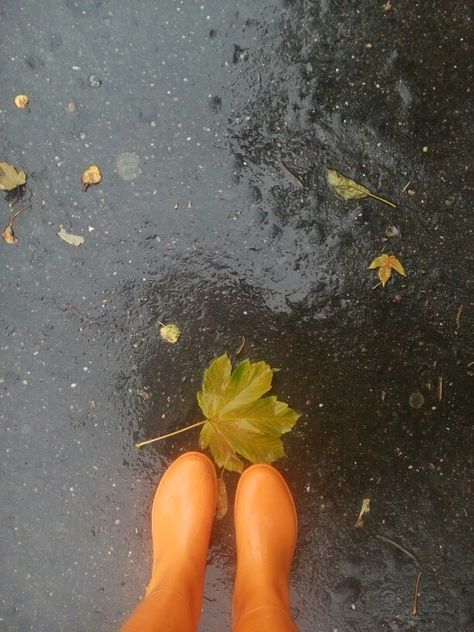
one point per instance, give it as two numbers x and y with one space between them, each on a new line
143 393
9 236
222 499
22 101
91 175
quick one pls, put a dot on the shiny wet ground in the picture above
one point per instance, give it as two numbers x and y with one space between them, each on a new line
188 109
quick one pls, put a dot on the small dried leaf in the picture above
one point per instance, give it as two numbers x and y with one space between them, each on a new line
22 101
222 499
91 175
387 263
143 393
72 240
9 236
10 178
170 333
350 189
365 508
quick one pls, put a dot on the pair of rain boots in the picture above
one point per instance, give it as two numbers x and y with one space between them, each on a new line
182 516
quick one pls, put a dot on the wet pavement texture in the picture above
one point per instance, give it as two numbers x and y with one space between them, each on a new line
189 109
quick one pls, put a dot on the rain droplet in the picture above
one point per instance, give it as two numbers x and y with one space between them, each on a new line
416 400
127 166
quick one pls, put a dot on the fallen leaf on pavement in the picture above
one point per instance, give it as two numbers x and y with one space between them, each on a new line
239 421
143 393
69 238
10 178
350 189
170 333
387 263
365 508
91 175
8 234
222 500
22 101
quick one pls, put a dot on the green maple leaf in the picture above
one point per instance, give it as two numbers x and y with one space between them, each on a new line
239 421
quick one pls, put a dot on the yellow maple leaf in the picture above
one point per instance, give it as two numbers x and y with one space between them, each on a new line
386 263
239 421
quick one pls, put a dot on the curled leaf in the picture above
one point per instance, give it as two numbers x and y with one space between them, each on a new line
9 236
170 333
350 189
91 175
69 238
143 393
239 421
22 101
10 178
387 263
222 499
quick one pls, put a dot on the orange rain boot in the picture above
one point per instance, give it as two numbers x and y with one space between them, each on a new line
266 527
182 515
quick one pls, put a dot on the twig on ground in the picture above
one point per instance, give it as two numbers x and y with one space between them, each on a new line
241 346
399 547
414 608
8 233
458 316
282 166
440 388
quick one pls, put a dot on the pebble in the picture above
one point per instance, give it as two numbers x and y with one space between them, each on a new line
71 107
94 81
416 400
127 166
391 231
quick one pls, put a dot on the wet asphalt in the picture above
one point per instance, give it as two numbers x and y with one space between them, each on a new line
189 109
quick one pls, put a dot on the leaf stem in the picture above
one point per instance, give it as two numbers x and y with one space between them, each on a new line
380 199
170 434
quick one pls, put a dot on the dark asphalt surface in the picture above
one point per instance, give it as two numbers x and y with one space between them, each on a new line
197 224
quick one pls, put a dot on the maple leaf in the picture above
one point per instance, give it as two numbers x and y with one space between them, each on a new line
387 263
239 421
